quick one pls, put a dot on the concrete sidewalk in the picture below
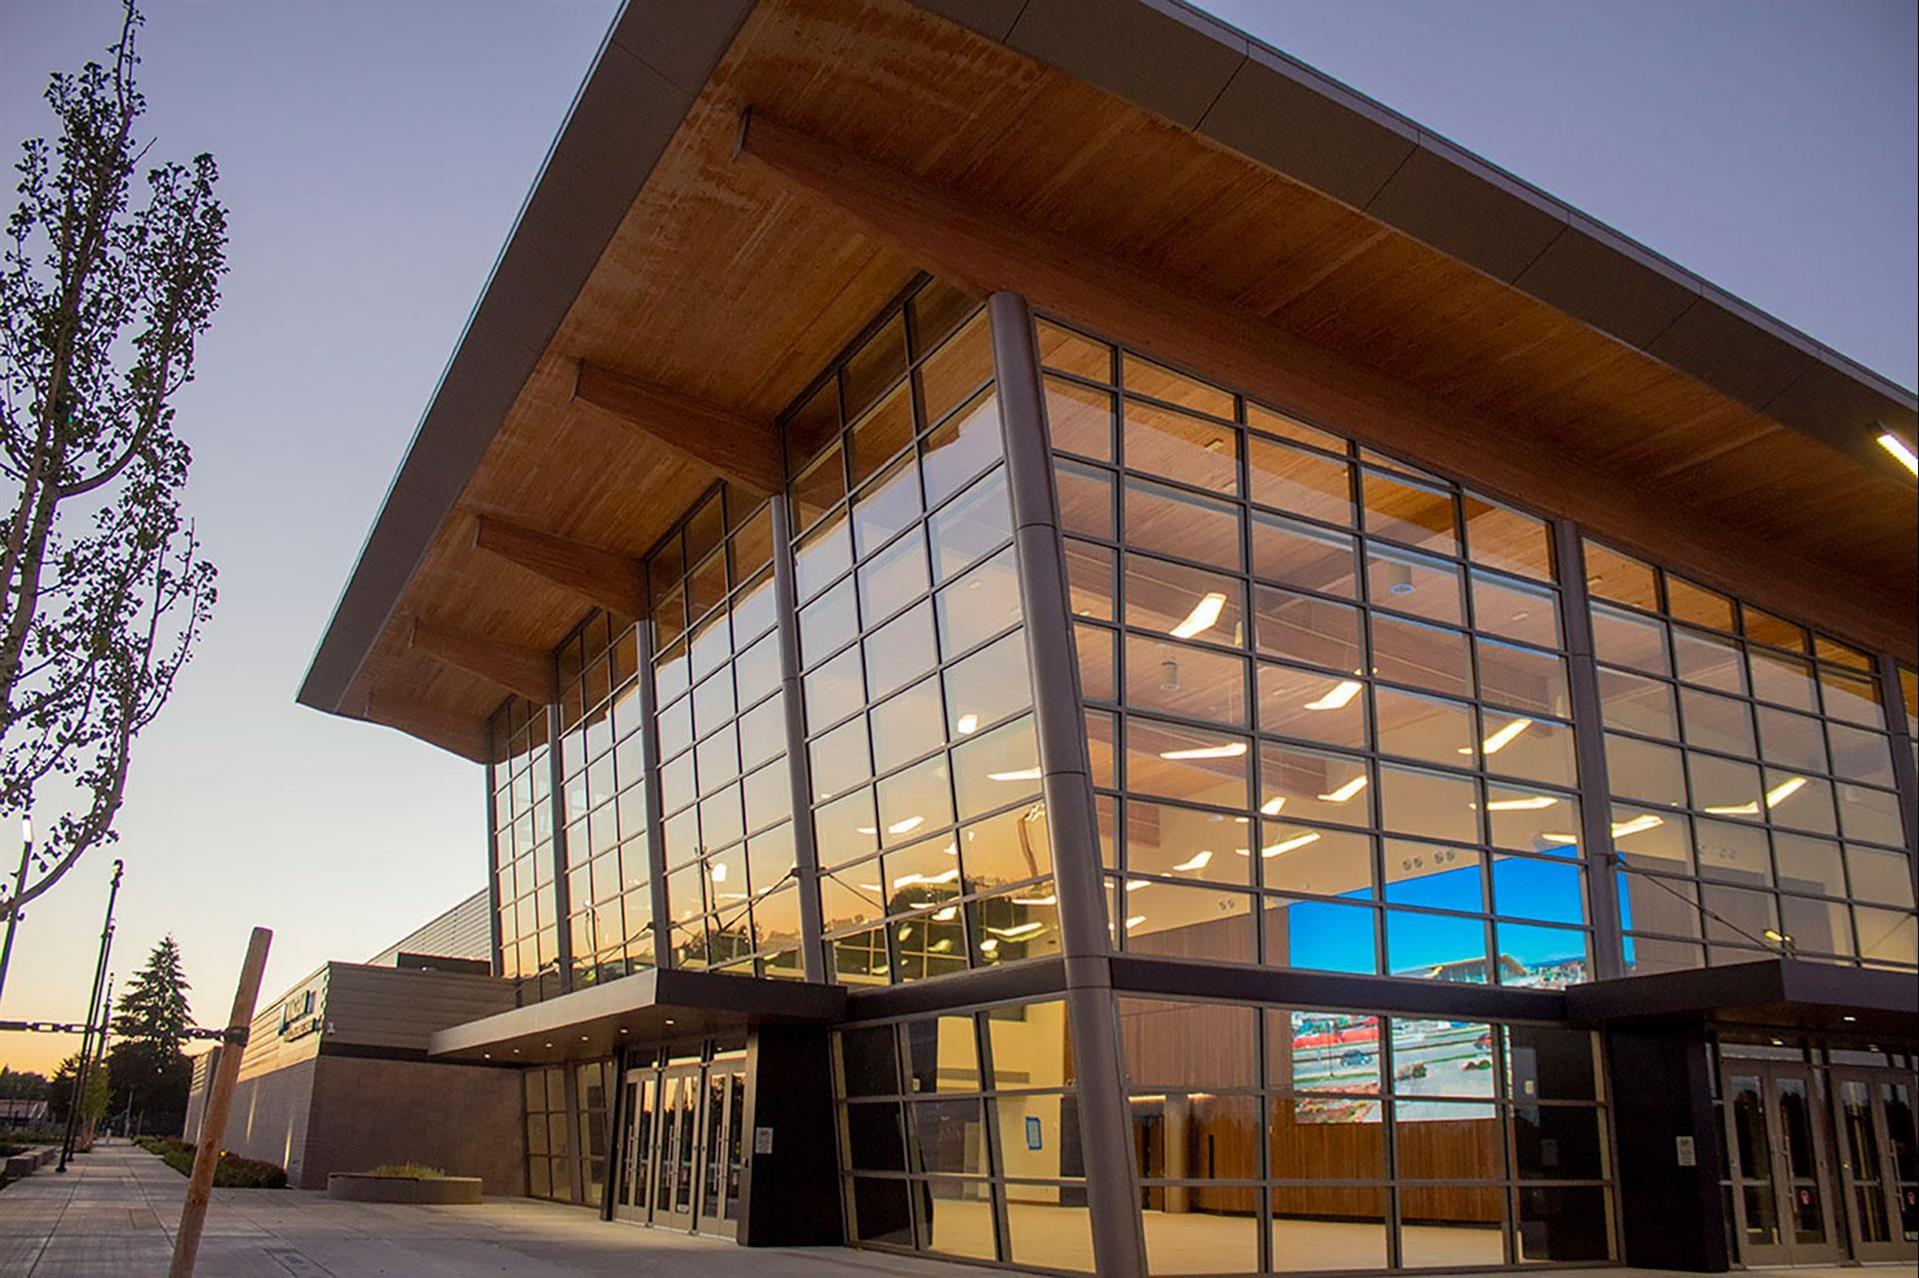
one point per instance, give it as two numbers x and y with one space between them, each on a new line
116 1209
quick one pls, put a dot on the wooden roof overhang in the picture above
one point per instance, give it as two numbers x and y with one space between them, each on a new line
684 266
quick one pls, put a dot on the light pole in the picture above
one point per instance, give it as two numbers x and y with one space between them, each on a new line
13 906
93 1007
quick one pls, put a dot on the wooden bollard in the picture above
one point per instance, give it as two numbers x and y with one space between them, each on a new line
213 1123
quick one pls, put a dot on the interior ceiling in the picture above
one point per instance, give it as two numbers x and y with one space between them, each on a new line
723 284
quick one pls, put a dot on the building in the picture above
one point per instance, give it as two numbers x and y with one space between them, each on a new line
335 1074
1090 650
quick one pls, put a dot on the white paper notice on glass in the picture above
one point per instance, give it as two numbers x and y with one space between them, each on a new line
1688 1153
762 1140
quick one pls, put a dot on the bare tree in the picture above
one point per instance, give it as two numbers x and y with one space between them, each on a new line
102 298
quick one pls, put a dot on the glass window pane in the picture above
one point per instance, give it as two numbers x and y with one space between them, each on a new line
1079 419
968 442
1085 499
979 605
1313 785
1311 706
995 768
1436 947
1415 514
886 506
907 726
1068 351
1622 638
1189 922
1183 680
1515 610
900 651
1192 450
1296 554
970 526
1186 763
1407 582
1423 656
1187 843
1302 628
1172 522
1414 801
1708 660
1327 936
1300 482
1611 575
1503 538
1013 847
1523 678
1186 603
1294 858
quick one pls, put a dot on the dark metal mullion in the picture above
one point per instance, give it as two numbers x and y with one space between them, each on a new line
1060 726
1589 756
1891 698
806 854
995 1155
556 803
1389 1115
1363 598
494 940
1482 816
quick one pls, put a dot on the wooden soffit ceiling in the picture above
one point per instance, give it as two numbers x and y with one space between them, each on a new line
737 270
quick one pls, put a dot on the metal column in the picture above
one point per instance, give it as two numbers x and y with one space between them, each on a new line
556 806
799 772
1903 771
662 925
1589 748
1066 772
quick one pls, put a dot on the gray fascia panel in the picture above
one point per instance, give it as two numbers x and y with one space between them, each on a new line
656 57
1167 58
1251 96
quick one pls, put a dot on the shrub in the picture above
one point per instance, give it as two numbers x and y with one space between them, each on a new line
231 1172
406 1171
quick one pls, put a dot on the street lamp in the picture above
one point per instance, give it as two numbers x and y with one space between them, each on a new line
13 905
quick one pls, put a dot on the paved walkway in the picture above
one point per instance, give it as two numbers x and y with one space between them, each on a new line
116 1209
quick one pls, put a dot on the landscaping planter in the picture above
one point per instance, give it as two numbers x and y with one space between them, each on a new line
435 1191
19 1165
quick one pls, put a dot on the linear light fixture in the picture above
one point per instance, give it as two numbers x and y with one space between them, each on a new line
1346 791
907 825
1900 449
1532 803
1231 750
967 725
1272 806
1134 921
1016 932
1337 696
1501 739
1784 790
1198 861
1023 774
1202 617
1638 825
1748 808
1287 845
1049 899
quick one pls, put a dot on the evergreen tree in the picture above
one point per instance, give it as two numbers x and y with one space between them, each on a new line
154 1010
145 1063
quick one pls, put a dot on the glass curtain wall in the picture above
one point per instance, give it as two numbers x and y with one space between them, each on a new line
960 1136
923 765
1328 704
603 795
1752 780
523 850
726 797
547 1147
1274 1139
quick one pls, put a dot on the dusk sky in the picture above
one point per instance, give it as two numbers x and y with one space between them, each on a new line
373 156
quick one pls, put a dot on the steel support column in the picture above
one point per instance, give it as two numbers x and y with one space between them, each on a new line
495 941
799 772
1589 748
1892 698
662 926
556 807
1066 772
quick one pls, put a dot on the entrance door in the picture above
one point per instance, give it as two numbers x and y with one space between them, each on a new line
642 1101
721 1132
1782 1200
675 1179
1879 1179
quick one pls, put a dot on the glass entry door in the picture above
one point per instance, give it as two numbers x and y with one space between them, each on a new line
640 1104
721 1130
684 1146
1781 1183
1878 1162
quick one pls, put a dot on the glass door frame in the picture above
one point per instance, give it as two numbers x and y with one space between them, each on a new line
1885 1173
632 1199
1781 1181
716 1211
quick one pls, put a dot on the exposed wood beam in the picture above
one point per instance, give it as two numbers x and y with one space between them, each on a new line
527 671
450 730
968 240
613 581
739 448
